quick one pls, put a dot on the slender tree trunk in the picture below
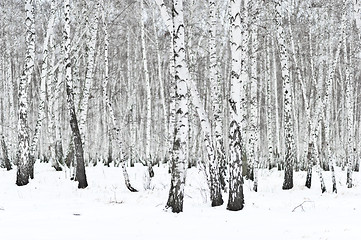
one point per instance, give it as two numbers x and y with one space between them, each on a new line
327 106
51 81
115 127
253 120
44 75
91 47
287 99
244 81
349 109
148 104
270 106
278 150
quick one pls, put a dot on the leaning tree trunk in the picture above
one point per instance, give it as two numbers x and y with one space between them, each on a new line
22 177
236 199
180 145
79 152
287 100
115 127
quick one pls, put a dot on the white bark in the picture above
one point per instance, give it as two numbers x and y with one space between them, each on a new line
253 120
148 105
349 113
216 98
235 200
25 80
287 99
83 110
161 84
43 80
180 147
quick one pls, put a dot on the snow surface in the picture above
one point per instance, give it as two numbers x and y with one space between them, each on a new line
51 207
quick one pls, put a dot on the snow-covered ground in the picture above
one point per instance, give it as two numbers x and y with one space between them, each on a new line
51 207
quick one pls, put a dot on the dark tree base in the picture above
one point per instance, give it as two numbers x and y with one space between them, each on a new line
308 179
130 188
287 186
22 179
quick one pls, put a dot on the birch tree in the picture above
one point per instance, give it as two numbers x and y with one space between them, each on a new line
235 199
22 177
253 120
287 98
180 145
78 145
91 48
148 120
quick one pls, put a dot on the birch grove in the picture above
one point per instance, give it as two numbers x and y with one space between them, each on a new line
233 88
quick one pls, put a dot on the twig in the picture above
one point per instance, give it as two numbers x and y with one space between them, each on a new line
301 205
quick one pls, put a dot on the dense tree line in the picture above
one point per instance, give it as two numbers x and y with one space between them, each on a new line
228 86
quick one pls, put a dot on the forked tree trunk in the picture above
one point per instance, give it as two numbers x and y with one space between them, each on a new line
79 152
43 76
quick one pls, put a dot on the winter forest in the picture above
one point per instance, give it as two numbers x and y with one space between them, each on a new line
240 115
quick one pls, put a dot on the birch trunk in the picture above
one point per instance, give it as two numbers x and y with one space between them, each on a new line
217 180
180 146
51 81
91 45
236 199
79 152
253 120
349 110
287 99
148 105
24 161
270 106
43 80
